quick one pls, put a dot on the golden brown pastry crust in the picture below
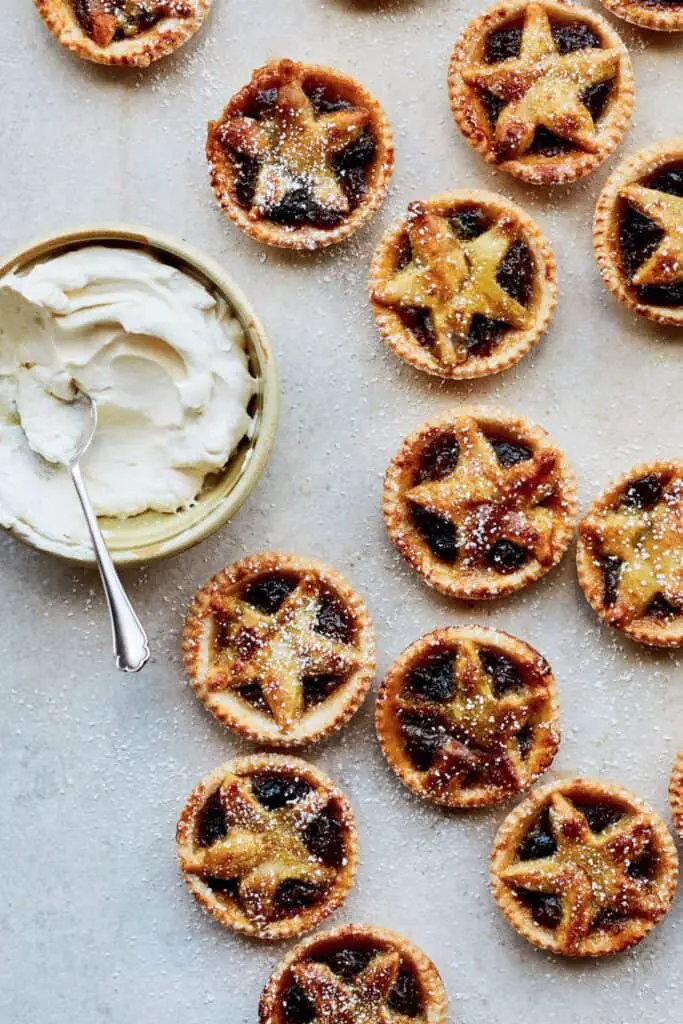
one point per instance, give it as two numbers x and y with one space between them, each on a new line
395 950
643 628
663 18
307 236
556 521
470 114
139 51
606 227
192 856
485 724
676 794
505 216
588 871
356 659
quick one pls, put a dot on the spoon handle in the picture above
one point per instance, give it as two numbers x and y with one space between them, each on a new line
131 647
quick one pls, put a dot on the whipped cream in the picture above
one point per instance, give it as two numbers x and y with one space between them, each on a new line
163 358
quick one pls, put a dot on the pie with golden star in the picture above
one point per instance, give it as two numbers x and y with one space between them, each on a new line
268 845
123 32
583 868
301 156
480 502
468 716
676 794
464 286
630 554
357 974
638 232
279 648
544 89
656 15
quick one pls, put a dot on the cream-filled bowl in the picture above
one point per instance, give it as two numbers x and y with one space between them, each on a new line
229 396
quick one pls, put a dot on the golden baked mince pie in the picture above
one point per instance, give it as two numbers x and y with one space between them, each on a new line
464 286
133 32
301 156
468 716
657 15
676 794
638 232
543 89
480 502
583 868
356 974
630 554
279 648
268 845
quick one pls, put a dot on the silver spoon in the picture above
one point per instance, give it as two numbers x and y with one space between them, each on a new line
131 647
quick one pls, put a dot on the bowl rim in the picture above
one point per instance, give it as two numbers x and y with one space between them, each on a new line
206 266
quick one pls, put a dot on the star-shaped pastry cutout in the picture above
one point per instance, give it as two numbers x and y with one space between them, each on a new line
455 280
665 265
589 871
276 652
361 1000
261 849
488 502
295 147
543 88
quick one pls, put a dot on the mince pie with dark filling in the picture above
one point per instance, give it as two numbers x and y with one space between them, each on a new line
279 648
356 974
480 502
468 716
464 286
630 554
583 868
268 845
656 15
542 89
301 156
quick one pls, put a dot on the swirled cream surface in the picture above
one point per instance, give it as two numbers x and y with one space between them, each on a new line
163 358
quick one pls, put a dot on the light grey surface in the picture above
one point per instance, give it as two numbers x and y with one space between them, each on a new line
95 923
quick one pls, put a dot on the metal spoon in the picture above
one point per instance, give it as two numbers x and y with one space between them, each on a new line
131 647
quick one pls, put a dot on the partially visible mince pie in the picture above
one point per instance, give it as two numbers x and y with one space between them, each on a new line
279 648
301 156
630 554
657 15
468 716
125 32
638 232
268 845
464 286
583 868
676 794
356 974
480 502
544 90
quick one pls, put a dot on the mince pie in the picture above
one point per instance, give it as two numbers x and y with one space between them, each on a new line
126 32
676 794
480 502
468 716
657 15
268 845
279 648
583 868
301 156
542 89
356 974
464 286
638 232
630 554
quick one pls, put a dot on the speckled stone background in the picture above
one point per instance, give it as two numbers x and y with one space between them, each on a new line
95 924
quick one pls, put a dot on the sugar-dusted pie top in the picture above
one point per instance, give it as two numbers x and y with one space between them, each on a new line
542 88
583 868
268 845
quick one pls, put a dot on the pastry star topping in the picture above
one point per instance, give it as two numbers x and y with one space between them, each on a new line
543 88
294 147
589 872
665 266
455 280
276 651
361 1000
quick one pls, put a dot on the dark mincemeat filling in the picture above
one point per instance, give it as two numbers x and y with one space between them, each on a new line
110 21
298 208
639 237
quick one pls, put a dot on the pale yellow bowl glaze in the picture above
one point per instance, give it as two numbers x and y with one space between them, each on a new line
153 535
